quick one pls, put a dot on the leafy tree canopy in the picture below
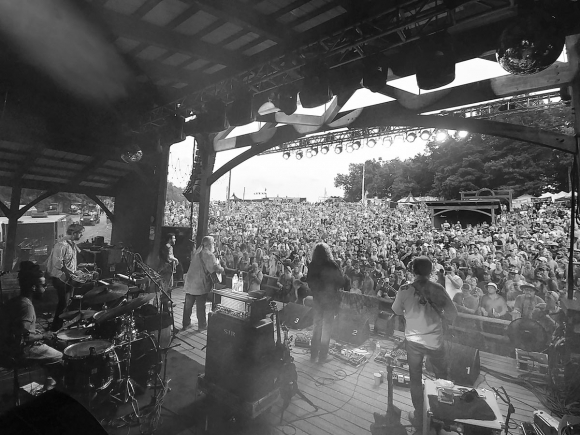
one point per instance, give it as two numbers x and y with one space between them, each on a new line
445 169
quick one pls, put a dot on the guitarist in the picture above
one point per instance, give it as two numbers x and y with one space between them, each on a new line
198 282
426 307
167 267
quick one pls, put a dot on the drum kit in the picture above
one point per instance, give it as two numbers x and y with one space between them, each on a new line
103 351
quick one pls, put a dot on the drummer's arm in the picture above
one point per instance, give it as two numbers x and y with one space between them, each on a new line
29 337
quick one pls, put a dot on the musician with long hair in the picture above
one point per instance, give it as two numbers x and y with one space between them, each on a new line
324 279
198 282
61 265
167 267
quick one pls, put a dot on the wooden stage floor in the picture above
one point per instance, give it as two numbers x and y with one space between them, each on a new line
345 395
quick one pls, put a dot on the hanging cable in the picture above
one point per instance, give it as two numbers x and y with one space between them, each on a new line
574 215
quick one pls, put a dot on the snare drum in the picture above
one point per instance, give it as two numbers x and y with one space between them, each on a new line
90 365
71 336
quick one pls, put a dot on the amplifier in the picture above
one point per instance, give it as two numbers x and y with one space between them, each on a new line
296 316
543 424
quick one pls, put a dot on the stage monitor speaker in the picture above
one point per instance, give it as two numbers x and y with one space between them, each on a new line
463 363
296 316
51 413
351 328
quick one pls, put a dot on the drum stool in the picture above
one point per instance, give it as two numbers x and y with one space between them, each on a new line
15 363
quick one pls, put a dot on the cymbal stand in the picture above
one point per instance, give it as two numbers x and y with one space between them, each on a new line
156 279
128 386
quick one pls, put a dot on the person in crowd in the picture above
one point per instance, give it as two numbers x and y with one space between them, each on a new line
453 282
368 285
526 303
285 284
255 277
198 282
324 279
465 301
61 265
549 314
492 304
18 332
425 306
244 262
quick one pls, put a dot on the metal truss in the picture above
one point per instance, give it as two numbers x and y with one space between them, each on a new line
517 104
387 30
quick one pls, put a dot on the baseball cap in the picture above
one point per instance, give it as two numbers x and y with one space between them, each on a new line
492 284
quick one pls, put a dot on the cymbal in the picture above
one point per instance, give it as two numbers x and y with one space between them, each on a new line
122 309
85 314
102 294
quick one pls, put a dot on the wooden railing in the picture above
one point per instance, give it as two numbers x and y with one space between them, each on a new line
486 333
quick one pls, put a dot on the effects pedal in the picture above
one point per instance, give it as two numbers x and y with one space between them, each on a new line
400 378
303 340
347 356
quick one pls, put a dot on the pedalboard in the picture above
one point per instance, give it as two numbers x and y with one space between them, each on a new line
303 340
347 356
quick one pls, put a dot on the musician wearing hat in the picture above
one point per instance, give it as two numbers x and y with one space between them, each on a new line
549 314
61 265
526 303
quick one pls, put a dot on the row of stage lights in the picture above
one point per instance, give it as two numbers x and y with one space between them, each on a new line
410 137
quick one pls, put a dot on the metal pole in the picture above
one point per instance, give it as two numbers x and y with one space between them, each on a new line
244 194
229 186
363 185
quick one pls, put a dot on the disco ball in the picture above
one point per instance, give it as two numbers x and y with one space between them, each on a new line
530 45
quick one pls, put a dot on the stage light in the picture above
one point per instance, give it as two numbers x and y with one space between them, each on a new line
308 153
315 86
240 111
338 149
286 155
299 155
460 135
411 136
131 153
324 149
435 65
399 139
425 135
356 145
387 141
287 99
349 148
441 135
371 143
314 152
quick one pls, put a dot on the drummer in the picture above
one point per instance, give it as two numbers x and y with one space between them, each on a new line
18 325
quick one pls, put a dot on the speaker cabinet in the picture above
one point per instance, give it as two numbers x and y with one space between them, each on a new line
351 328
296 316
463 363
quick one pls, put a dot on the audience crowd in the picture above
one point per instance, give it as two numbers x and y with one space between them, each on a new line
515 268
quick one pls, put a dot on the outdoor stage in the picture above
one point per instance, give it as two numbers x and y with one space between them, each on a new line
346 396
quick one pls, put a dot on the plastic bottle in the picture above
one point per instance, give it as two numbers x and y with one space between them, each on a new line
235 283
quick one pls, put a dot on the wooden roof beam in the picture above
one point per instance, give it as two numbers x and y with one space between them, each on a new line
57 187
240 14
142 31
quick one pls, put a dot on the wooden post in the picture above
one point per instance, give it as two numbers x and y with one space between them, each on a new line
12 226
208 155
160 206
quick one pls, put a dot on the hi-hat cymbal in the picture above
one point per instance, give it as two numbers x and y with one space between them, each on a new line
123 309
84 314
102 294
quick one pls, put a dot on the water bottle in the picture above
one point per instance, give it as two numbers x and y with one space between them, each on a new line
235 282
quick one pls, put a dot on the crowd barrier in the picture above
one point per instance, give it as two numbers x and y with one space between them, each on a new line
485 333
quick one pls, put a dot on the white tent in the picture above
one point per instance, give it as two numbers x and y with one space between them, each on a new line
409 199
521 200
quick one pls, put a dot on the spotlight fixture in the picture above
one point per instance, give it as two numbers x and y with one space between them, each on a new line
411 136
286 155
388 141
309 153
315 86
131 153
371 143
441 135
314 152
460 135
399 139
338 149
324 149
349 148
356 145
299 155
425 135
